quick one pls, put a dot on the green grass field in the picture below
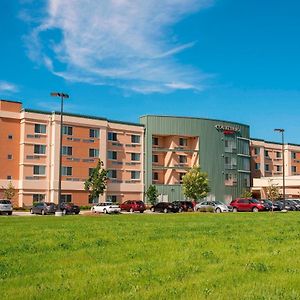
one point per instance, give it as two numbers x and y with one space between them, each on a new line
173 256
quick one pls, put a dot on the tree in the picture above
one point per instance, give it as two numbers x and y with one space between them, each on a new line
152 194
195 184
96 183
273 192
9 192
246 194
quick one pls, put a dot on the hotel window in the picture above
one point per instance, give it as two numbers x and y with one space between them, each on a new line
257 166
112 154
39 128
39 170
155 176
135 139
9 156
267 168
278 168
67 150
245 148
94 133
112 174
293 155
66 171
112 198
246 180
112 136
10 137
155 141
266 153
91 171
93 152
182 159
245 164
230 145
135 174
66 198
294 169
135 156
39 149
181 177
67 130
155 158
182 142
278 154
256 151
38 197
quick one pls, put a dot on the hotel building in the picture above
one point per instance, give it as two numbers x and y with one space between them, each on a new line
266 167
29 155
159 150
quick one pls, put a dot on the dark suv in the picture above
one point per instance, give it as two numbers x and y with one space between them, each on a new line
43 208
133 205
69 208
165 207
246 204
185 205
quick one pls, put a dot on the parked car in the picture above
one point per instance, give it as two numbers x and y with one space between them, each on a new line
165 207
133 205
213 206
5 207
270 205
297 203
287 206
185 205
106 208
43 208
246 204
69 208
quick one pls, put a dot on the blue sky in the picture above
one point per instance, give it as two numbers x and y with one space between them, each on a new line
225 59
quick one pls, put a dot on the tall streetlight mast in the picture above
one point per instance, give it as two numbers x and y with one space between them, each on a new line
62 97
281 130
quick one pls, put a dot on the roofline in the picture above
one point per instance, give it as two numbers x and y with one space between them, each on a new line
13 101
270 142
195 118
82 116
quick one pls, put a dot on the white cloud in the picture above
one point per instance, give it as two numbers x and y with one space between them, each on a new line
115 42
8 87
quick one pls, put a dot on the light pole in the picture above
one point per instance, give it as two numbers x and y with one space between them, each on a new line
62 97
281 130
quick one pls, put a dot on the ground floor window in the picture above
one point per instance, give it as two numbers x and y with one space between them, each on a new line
38 197
66 198
93 200
112 198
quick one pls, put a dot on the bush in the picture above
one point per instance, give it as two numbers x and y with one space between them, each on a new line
206 209
83 207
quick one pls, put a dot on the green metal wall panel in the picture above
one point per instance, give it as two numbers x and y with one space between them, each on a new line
211 154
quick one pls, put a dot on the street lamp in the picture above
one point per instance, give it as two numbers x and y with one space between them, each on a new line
281 130
62 97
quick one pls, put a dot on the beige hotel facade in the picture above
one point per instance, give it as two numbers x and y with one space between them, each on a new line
29 155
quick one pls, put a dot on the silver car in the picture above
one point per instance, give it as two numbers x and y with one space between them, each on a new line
5 207
212 206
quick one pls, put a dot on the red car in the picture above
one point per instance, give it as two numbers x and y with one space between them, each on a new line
246 204
132 205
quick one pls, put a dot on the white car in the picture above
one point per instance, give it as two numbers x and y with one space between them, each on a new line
213 206
106 208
